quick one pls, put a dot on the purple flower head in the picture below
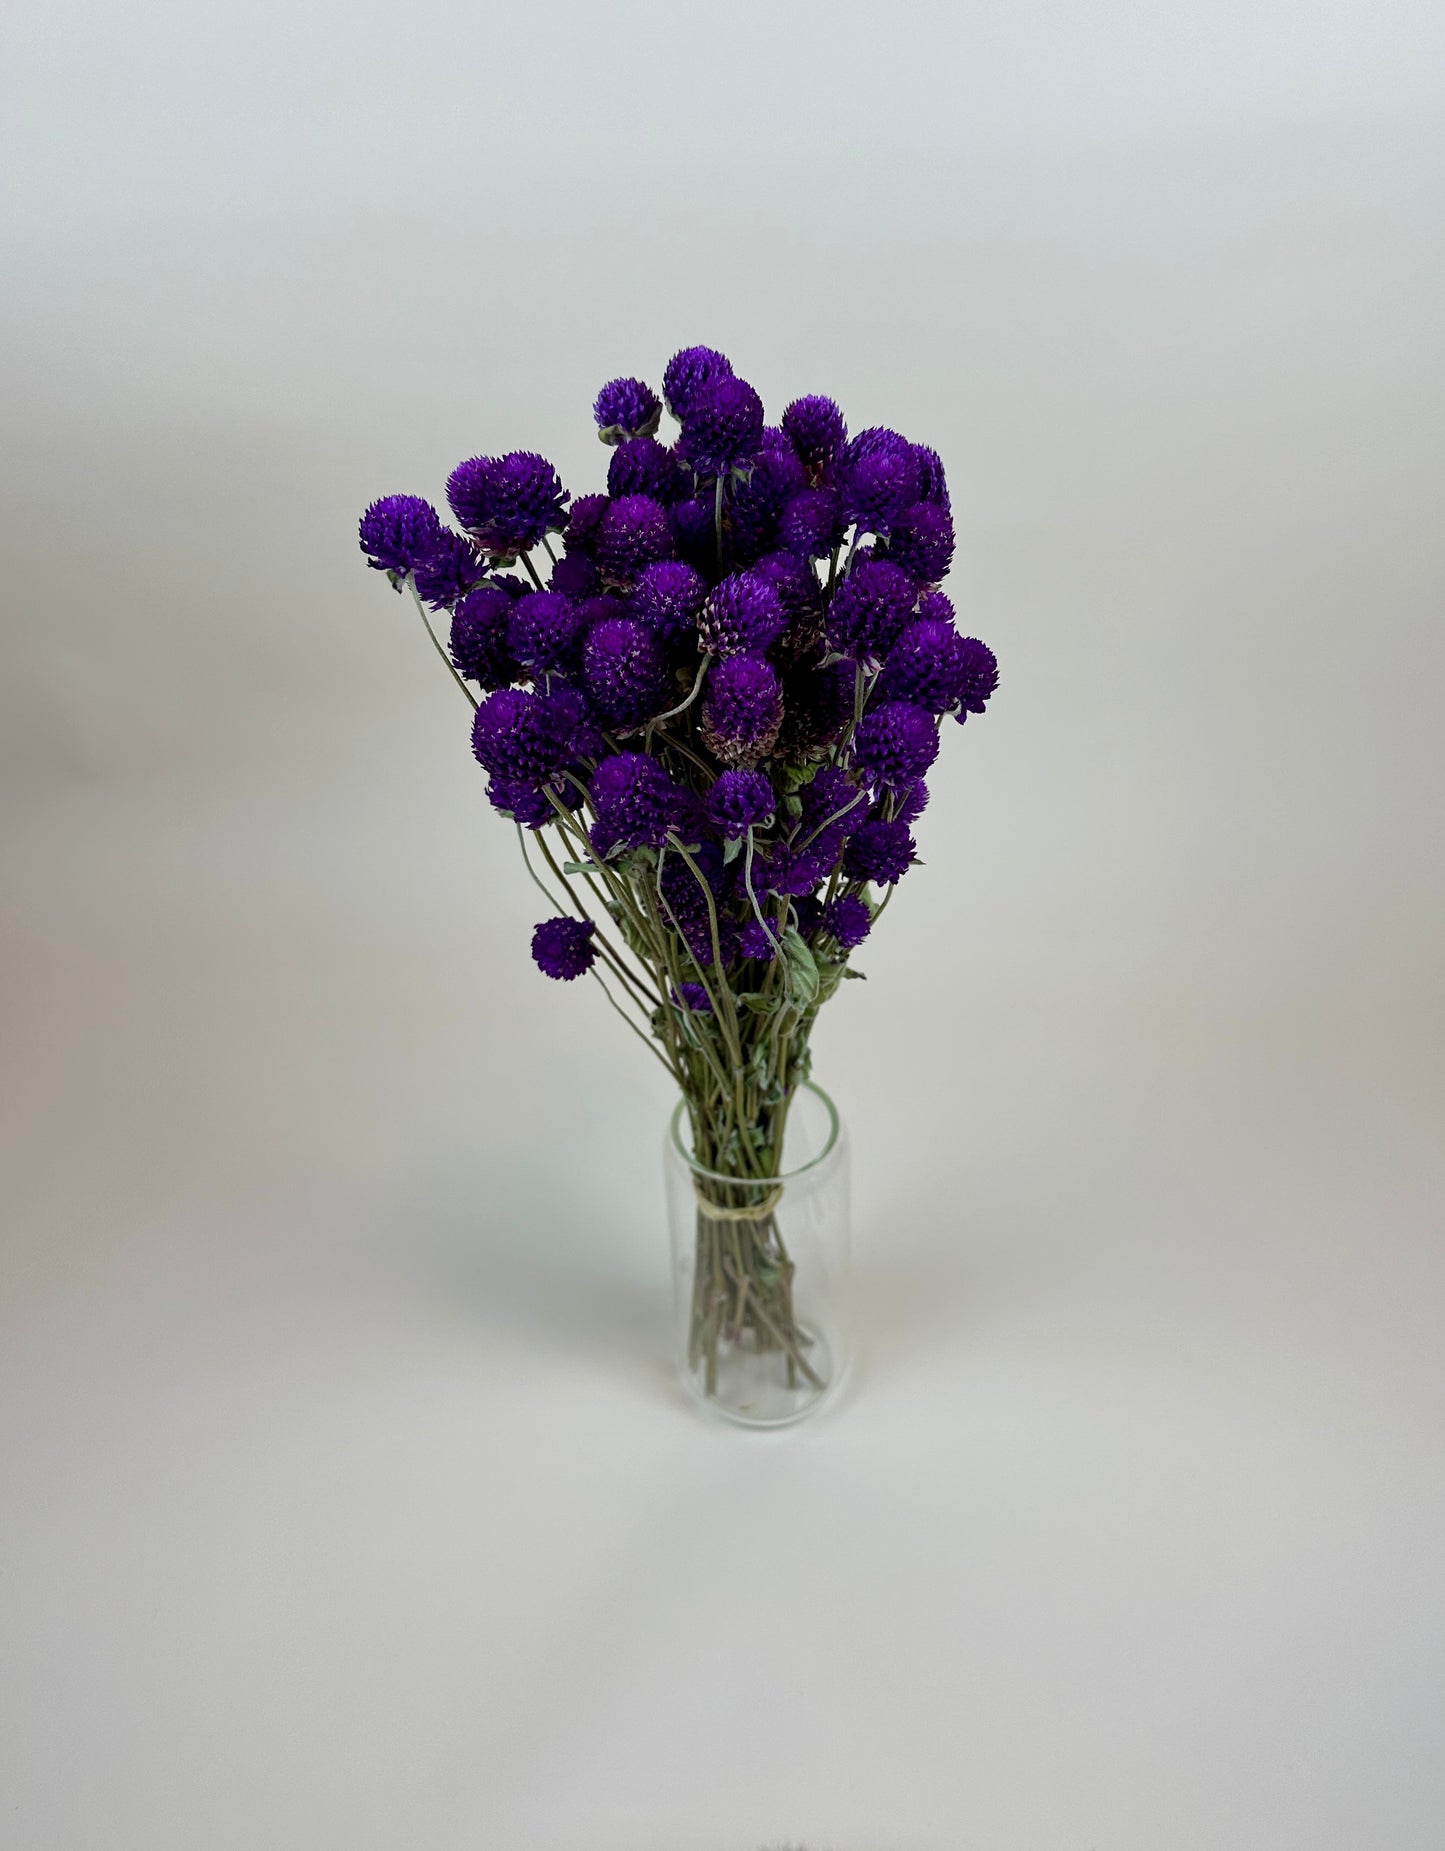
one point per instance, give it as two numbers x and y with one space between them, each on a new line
869 609
634 533
980 676
688 372
623 671
527 804
911 802
925 666
635 801
545 632
452 569
922 543
792 578
936 604
816 430
807 914
626 408
509 501
812 523
722 425
742 709
575 576
848 920
397 531
881 479
692 996
896 743
479 638
832 801
668 596
584 518
743 615
818 704
563 948
758 941
523 738
933 484
880 852
645 467
738 800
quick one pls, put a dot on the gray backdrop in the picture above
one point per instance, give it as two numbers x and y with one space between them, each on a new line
346 1497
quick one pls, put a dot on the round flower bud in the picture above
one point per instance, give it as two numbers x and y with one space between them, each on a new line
545 632
925 666
509 501
692 996
623 671
635 801
848 920
644 467
759 941
634 532
880 481
923 542
758 499
743 614
880 852
626 408
742 710
933 484
584 518
722 424
869 609
563 948
452 569
816 430
896 743
527 804
812 523
522 737
479 639
575 576
668 596
688 372
738 801
979 677
397 531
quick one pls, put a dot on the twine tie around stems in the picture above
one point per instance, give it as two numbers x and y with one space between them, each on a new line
759 1212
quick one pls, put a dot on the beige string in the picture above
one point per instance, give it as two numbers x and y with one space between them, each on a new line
758 1213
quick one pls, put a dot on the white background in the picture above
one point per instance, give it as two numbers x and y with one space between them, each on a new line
347 1499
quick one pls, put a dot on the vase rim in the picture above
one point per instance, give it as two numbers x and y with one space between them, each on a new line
830 1143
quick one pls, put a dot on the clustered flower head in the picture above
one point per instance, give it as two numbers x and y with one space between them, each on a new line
715 687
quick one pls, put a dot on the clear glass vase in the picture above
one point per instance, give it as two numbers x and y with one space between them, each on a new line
759 1269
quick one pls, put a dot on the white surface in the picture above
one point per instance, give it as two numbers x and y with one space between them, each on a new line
347 1500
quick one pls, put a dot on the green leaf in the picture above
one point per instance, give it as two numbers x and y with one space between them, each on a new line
801 969
732 849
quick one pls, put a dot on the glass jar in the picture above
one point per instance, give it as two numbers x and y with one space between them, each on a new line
759 1268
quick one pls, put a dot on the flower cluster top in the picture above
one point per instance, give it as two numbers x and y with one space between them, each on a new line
739 652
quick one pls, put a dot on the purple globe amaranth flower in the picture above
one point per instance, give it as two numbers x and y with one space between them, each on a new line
722 425
688 371
807 914
870 608
832 802
626 408
646 467
635 532
563 948
926 666
575 576
743 615
452 569
623 671
812 523
933 484
758 498
509 501
480 649
584 518
397 531
544 632
817 706
792 578
911 802
922 543
635 800
692 530
669 595
523 738
738 800
759 941
880 852
880 482
527 804
692 996
816 429
896 743
742 709
848 920
980 676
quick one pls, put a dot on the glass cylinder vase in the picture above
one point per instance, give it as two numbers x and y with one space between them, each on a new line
759 1268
